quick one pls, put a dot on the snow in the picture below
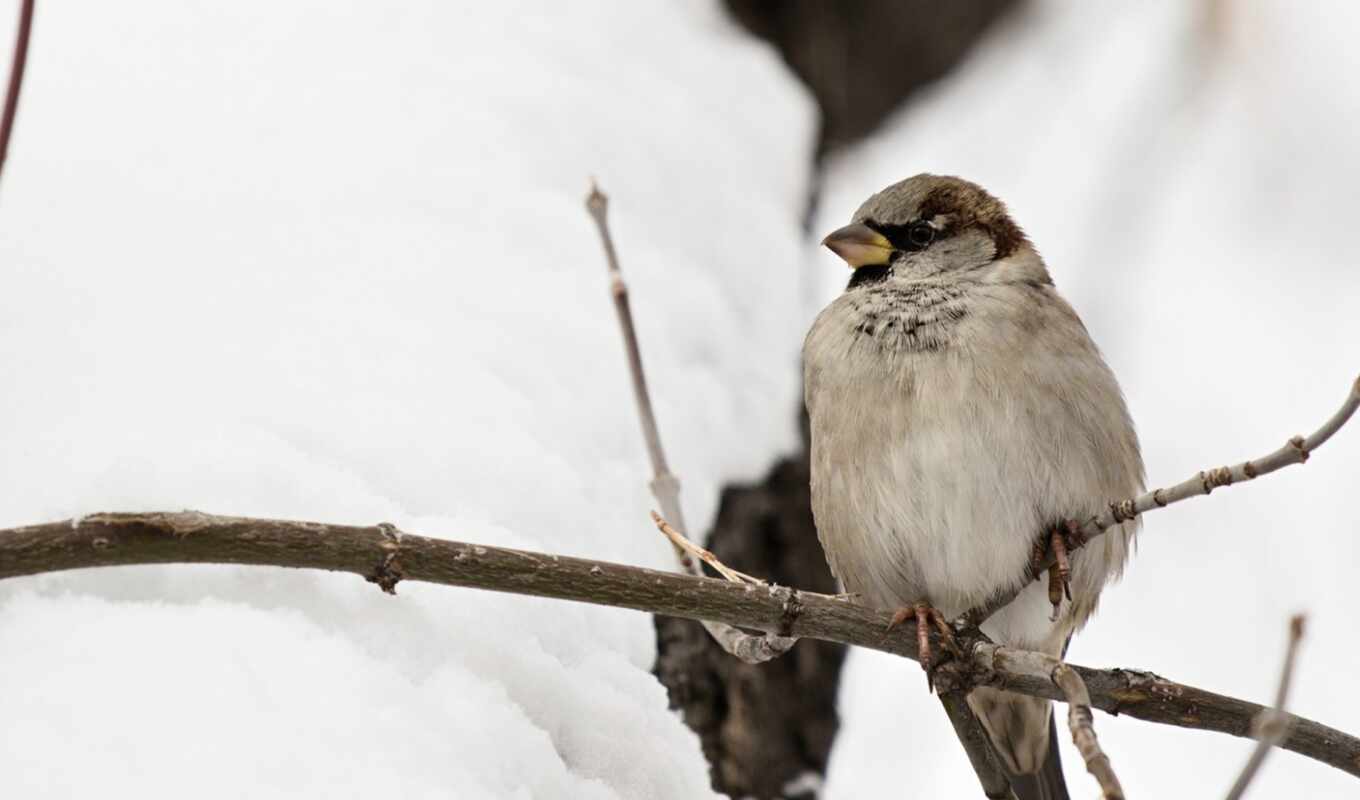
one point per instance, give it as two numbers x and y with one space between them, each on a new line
1195 198
330 261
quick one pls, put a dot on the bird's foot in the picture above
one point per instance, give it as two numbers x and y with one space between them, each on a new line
926 616
1061 540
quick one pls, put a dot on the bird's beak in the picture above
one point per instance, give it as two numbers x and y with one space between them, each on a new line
859 245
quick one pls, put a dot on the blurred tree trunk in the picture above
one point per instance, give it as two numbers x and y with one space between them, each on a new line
862 58
767 729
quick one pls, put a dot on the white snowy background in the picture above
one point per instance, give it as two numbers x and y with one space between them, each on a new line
331 261
328 261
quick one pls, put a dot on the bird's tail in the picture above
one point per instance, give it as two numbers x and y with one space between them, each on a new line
1047 783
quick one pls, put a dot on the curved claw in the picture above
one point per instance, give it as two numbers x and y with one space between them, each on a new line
927 616
1061 542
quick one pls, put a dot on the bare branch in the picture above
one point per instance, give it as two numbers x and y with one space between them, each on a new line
16 77
1295 451
1150 697
995 784
1271 725
385 557
1082 725
665 486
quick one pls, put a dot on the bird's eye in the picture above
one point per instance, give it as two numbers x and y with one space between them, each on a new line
920 234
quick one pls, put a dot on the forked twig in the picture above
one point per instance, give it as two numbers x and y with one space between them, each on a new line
1082 724
1295 451
702 553
665 486
1271 725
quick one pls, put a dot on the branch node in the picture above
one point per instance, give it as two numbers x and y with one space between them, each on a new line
791 611
1298 444
1122 511
387 574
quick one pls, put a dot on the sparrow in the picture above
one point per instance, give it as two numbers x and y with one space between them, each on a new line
961 417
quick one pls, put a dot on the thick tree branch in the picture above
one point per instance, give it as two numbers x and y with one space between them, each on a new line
1082 726
16 77
665 486
1272 724
386 556
1295 451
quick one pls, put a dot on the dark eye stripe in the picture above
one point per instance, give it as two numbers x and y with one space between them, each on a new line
909 238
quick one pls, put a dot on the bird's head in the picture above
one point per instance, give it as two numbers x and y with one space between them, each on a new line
926 226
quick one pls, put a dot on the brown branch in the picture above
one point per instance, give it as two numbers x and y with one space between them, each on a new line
1271 725
995 784
16 77
1150 697
1295 451
665 486
384 556
1082 725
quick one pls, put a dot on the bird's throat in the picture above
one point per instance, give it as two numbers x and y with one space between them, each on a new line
865 276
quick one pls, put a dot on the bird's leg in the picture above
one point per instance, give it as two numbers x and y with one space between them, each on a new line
926 616
1061 542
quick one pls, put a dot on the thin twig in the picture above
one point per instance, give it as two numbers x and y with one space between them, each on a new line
1271 726
386 559
665 486
703 554
1082 724
995 784
16 77
1295 451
